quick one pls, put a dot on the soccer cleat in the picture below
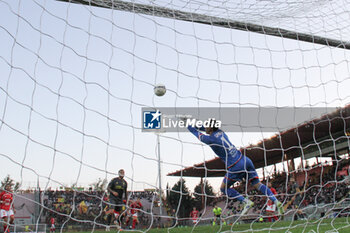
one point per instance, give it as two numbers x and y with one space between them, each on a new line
247 205
280 208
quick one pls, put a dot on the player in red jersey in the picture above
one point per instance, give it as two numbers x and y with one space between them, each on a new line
194 215
271 206
52 222
135 208
6 207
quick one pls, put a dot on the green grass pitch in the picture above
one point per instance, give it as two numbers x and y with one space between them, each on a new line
323 225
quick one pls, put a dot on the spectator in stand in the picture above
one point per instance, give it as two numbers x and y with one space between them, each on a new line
271 206
296 199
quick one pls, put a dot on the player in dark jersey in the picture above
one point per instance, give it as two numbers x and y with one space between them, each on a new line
238 165
117 189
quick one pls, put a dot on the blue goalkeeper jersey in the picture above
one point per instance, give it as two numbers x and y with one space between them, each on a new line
220 144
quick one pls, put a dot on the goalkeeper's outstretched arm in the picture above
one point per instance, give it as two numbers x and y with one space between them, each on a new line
202 137
202 128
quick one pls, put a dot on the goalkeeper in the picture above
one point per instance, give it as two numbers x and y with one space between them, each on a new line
238 166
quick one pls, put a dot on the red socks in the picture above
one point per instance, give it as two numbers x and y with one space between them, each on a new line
134 223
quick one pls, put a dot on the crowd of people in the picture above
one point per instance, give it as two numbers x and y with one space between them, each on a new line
65 206
94 207
95 211
100 208
112 207
72 207
317 188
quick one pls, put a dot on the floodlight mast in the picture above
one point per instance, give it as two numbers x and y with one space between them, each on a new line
211 20
159 175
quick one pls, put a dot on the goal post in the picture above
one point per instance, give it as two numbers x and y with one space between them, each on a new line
154 10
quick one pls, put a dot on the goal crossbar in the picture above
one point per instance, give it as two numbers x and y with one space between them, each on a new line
211 20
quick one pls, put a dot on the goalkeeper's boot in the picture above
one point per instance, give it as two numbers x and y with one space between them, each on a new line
280 208
247 205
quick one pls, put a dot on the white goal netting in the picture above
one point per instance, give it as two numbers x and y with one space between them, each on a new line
76 75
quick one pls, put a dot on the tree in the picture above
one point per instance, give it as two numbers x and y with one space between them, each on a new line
8 180
179 196
207 196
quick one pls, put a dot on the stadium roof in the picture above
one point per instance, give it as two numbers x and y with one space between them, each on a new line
318 137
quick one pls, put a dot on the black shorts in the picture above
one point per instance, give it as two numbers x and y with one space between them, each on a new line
116 203
218 215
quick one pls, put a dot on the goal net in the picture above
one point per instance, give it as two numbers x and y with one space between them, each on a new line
77 104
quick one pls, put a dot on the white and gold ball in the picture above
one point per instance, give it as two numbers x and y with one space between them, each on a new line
159 89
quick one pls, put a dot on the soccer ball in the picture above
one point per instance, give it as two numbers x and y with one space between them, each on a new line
159 90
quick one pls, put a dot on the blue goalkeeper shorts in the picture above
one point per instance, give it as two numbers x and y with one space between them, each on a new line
243 169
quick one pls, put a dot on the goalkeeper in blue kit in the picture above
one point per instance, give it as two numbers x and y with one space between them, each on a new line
238 166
